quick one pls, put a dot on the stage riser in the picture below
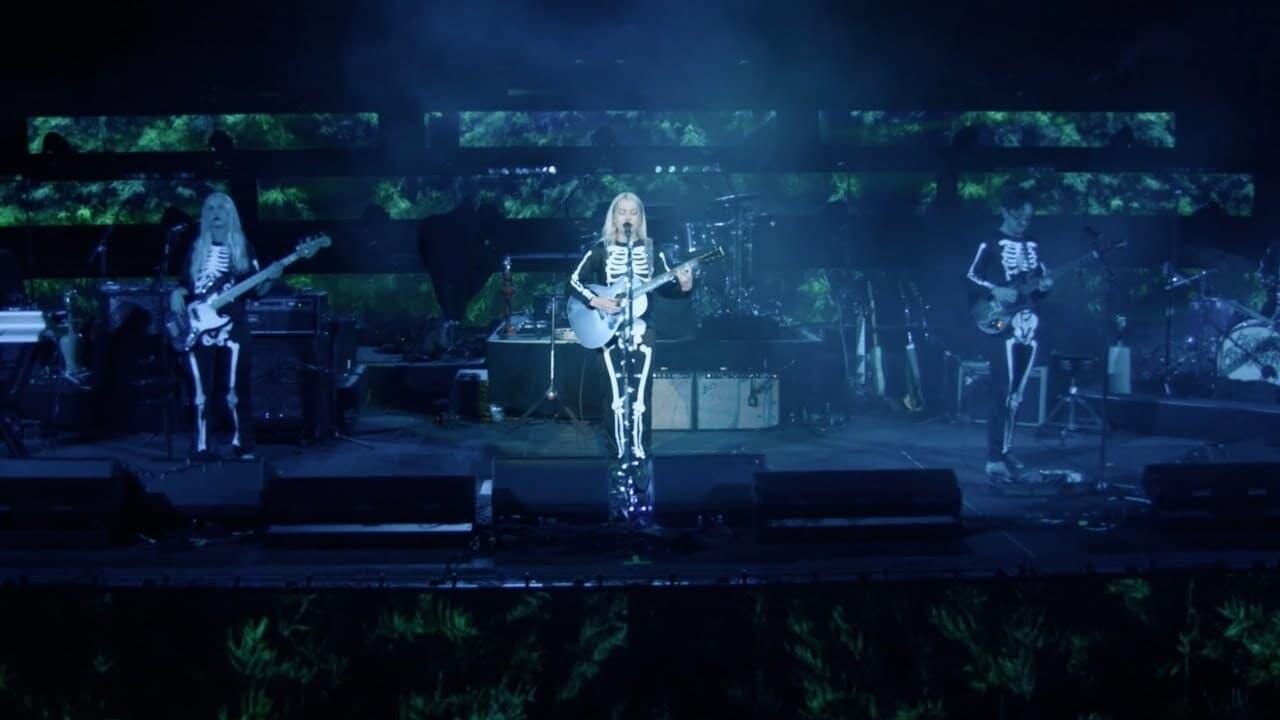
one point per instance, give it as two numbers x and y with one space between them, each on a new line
1218 421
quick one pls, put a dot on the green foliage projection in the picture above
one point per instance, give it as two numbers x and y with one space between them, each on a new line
190 133
551 196
623 127
110 202
1118 193
1158 646
997 128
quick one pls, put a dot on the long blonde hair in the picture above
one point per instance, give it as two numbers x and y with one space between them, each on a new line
608 234
236 242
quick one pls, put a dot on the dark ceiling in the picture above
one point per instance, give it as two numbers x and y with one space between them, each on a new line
150 56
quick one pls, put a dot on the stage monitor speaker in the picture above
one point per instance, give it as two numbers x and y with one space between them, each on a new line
383 507
1198 493
67 502
564 489
222 490
825 500
705 490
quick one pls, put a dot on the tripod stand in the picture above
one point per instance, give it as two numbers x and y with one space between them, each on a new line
551 394
1079 414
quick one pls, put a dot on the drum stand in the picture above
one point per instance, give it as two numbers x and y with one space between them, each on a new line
1079 414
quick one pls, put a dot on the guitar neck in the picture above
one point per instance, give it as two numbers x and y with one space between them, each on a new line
661 280
232 293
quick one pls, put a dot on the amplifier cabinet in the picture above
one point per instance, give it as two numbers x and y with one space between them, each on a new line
136 308
672 400
737 401
287 315
973 394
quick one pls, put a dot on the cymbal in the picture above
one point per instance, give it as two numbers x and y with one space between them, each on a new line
737 198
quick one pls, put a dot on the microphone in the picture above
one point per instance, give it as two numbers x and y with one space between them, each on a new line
102 243
626 227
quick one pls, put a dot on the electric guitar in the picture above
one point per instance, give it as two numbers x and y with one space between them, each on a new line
201 323
876 359
594 328
913 400
993 316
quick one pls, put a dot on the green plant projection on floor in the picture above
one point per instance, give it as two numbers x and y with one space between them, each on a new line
1154 646
190 133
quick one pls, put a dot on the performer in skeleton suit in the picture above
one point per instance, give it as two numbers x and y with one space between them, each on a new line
1004 260
628 358
221 257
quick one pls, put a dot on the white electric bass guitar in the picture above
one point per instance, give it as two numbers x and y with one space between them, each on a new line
595 328
201 321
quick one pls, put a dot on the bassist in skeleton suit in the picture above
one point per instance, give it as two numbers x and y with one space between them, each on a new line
628 358
1009 258
220 257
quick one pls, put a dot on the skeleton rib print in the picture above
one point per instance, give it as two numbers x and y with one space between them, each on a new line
1017 258
216 264
615 266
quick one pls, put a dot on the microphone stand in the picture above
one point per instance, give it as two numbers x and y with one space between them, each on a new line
1104 431
166 353
100 252
551 393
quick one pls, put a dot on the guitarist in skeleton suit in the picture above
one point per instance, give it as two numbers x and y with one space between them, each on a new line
1008 259
605 264
220 257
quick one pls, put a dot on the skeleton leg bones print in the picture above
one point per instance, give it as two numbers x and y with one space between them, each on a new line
628 363
1020 357
204 366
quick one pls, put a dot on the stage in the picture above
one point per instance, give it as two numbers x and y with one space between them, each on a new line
215 534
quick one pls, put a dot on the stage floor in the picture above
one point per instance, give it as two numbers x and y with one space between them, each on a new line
1007 530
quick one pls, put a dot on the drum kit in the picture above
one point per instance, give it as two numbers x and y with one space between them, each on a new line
1218 339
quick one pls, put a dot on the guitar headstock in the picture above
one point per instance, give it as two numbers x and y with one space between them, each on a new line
311 245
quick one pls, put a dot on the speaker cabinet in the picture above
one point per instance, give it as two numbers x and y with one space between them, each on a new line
857 499
66 502
705 490
567 489
289 379
737 401
227 489
672 402
1224 492
973 394
369 508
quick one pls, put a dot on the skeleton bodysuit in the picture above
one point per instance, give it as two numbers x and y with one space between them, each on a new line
215 272
628 361
1005 262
